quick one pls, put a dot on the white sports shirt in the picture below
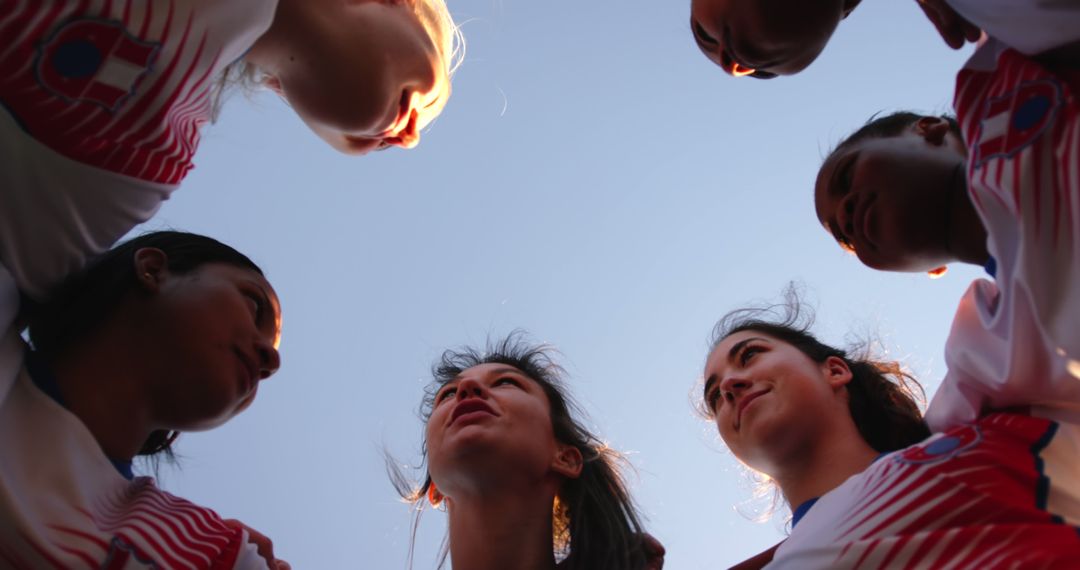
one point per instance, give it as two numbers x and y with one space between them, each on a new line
100 107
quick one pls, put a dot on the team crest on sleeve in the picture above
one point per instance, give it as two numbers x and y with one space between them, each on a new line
94 61
1011 122
942 448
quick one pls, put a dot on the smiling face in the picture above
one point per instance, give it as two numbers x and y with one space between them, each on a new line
212 336
769 399
891 200
490 423
362 75
765 38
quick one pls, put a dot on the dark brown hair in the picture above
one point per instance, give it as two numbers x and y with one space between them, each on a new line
891 125
597 526
84 300
882 396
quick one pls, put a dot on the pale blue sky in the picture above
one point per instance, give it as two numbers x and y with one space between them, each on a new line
594 180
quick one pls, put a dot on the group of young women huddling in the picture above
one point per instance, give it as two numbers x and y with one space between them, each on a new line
108 353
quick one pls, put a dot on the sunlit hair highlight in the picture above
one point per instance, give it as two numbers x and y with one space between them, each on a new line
596 525
433 15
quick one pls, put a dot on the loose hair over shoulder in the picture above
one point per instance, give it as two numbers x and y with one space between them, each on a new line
596 525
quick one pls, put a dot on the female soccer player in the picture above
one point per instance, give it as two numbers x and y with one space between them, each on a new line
524 484
168 332
844 441
102 101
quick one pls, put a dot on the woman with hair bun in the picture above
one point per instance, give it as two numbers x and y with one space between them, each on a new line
843 440
524 484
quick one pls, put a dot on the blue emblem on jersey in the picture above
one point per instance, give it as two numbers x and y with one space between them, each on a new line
94 61
1013 121
942 448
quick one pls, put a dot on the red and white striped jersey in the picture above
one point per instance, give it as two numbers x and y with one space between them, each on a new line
1028 26
100 107
122 85
64 505
1016 342
999 493
988 490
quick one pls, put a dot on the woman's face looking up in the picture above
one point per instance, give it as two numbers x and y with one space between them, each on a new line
767 397
490 425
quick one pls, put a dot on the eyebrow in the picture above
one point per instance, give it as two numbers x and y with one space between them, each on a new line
731 358
499 370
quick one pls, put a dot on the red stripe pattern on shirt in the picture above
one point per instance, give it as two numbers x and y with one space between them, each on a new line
122 86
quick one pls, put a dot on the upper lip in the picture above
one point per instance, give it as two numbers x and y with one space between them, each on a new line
251 368
729 47
743 402
468 406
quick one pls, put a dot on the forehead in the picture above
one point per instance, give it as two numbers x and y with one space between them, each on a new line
489 369
719 356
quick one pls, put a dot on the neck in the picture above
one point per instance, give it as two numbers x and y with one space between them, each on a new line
823 468
107 398
967 235
493 531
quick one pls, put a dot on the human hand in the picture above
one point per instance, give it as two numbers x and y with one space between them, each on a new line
262 543
954 29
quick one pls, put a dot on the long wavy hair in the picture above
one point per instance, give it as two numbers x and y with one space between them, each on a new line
596 524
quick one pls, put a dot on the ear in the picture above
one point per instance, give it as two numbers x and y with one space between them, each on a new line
568 461
837 372
932 129
434 496
151 268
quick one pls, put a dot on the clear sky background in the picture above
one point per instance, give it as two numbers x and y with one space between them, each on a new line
594 180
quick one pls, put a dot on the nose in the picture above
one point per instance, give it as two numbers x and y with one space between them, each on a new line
269 358
470 388
408 136
732 387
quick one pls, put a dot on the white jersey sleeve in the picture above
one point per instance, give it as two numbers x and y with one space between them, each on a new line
1016 342
1028 26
